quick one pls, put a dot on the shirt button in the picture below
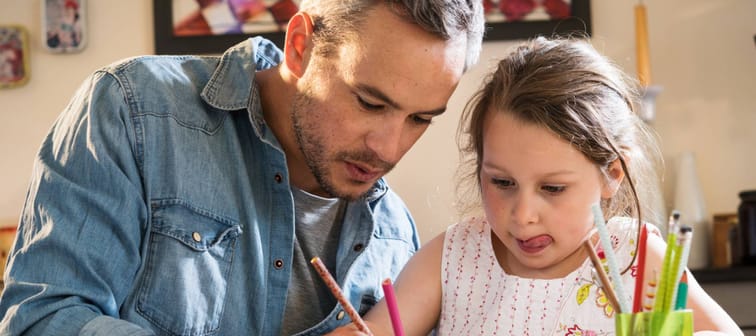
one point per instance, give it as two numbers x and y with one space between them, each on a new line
278 263
278 178
196 236
340 315
358 247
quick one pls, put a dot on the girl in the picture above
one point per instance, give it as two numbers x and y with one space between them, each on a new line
551 133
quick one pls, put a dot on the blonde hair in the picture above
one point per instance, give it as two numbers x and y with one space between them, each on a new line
565 86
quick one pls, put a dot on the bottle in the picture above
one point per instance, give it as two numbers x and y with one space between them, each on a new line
747 226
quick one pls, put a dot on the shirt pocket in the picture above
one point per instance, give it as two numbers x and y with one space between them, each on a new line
186 270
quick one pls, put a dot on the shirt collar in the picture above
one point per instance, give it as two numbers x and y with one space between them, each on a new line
230 87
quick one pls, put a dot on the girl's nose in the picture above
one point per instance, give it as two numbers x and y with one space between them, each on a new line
524 211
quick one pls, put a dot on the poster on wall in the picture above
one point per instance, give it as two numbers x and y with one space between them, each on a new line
14 56
212 26
64 25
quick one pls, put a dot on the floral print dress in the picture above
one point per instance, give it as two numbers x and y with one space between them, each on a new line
480 298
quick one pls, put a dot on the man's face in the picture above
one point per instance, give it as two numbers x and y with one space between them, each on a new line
356 115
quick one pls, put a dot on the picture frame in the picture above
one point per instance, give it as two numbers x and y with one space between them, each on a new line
14 56
215 32
169 13
64 25
575 22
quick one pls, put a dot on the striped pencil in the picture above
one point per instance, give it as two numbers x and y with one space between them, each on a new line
334 287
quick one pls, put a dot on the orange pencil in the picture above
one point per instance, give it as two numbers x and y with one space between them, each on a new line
334 287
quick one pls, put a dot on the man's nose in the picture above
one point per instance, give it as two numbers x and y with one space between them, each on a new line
385 140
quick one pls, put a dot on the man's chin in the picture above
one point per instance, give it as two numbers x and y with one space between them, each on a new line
352 191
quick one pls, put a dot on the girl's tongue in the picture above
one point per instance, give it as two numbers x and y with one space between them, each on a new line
536 243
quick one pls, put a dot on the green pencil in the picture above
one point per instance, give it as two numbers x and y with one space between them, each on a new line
682 292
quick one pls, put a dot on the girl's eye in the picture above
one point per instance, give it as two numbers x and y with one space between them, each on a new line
502 183
368 106
553 189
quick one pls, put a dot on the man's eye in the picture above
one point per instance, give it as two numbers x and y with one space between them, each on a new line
553 189
368 106
422 120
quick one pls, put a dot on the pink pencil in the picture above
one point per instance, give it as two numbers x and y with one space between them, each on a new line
388 293
334 287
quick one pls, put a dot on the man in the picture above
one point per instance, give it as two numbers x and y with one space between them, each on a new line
186 195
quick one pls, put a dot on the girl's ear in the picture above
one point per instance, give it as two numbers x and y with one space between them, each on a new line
615 174
297 44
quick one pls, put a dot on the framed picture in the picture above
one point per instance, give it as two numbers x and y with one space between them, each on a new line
64 25
212 26
14 56
522 19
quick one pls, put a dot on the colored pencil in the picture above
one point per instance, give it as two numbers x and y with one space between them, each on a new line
611 260
681 300
393 309
640 278
650 294
334 287
663 293
605 284
686 236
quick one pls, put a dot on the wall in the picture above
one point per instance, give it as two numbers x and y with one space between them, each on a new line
116 29
702 53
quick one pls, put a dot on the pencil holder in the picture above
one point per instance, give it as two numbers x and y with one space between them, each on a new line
677 323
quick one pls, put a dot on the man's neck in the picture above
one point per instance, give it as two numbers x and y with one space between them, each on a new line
277 90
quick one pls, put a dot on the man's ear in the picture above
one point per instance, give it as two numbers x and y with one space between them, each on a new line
614 174
298 41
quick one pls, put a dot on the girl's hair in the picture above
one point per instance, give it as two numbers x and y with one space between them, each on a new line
337 21
565 86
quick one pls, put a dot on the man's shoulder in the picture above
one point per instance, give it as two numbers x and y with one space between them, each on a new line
156 69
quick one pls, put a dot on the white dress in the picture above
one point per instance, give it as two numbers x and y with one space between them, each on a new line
479 298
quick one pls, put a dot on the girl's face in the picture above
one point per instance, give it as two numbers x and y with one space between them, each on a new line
537 194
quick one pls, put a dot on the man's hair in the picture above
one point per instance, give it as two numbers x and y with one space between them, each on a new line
335 21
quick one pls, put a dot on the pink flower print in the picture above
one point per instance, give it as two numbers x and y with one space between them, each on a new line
575 330
615 241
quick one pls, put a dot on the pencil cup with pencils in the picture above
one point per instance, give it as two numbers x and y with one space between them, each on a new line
652 323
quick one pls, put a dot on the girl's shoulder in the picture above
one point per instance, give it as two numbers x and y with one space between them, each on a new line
472 228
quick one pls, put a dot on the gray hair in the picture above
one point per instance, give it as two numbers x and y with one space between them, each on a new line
336 20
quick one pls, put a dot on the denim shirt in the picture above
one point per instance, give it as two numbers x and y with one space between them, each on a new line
160 204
